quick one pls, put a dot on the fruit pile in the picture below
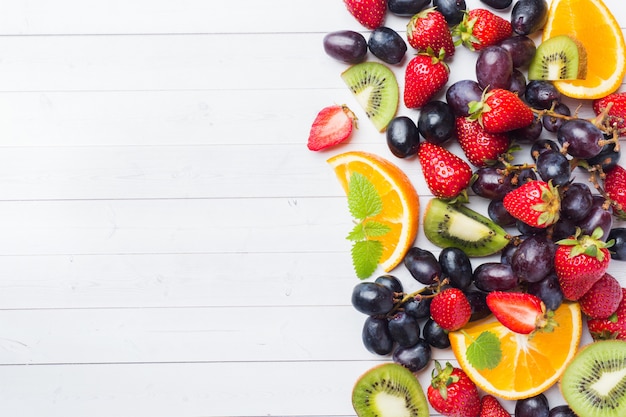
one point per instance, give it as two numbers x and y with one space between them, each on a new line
515 323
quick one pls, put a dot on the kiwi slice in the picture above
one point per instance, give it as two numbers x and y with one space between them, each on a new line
558 58
594 382
389 390
376 89
458 226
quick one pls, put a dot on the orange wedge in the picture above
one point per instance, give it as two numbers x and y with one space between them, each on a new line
530 363
592 24
400 200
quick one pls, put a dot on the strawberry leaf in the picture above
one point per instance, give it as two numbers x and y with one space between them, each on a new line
363 199
365 257
485 351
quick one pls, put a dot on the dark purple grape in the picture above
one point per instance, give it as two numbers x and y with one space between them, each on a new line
497 4
507 253
435 335
536 406
494 276
436 122
376 337
533 259
452 10
562 229
518 83
490 183
525 175
456 267
494 68
608 157
552 123
541 94
403 138
391 282
522 49
422 265
576 201
414 358
548 290
542 145
562 411
478 302
346 46
387 45
499 214
372 299
582 138
529 16
598 216
406 7
418 307
554 166
404 329
529 230
460 94
618 250
527 134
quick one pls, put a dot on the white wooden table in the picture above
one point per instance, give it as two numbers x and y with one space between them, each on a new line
169 247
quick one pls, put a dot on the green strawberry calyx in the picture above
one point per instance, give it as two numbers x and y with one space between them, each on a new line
550 205
590 245
442 378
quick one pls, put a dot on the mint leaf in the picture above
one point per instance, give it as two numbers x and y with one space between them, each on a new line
358 233
375 229
484 352
363 199
365 257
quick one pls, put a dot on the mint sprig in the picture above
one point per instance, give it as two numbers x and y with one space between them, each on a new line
364 202
484 352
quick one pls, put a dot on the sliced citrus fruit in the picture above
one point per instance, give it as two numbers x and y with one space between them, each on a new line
400 200
591 23
530 363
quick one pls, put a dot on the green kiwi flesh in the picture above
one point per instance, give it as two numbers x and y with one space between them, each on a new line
594 382
456 225
558 58
376 89
389 390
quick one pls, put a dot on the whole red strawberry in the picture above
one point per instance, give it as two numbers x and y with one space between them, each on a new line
429 29
518 311
615 187
369 13
446 174
501 111
616 113
481 28
452 393
613 327
425 76
536 203
450 309
480 148
491 407
579 262
332 125
603 298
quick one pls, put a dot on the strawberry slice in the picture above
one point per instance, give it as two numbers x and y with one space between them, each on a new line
520 312
332 125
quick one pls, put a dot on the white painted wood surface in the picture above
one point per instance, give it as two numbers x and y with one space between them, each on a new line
169 247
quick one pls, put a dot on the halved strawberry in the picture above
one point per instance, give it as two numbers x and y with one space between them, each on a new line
332 125
520 312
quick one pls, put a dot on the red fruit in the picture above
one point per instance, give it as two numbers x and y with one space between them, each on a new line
332 125
450 309
491 407
480 148
446 174
536 203
429 29
481 28
452 393
603 298
617 112
519 312
579 262
615 187
613 327
369 13
501 111
424 77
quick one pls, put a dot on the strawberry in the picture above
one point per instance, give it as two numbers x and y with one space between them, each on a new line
603 298
446 174
480 148
536 203
429 29
518 311
616 113
332 125
491 407
579 262
452 393
425 76
369 13
613 327
450 309
501 111
481 28
615 188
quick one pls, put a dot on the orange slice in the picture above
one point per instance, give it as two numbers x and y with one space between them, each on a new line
592 24
400 200
530 363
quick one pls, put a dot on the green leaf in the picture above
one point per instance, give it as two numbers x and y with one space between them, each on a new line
365 257
363 199
357 233
485 351
375 229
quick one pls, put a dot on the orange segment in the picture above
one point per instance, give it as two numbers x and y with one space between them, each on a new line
593 24
530 363
400 200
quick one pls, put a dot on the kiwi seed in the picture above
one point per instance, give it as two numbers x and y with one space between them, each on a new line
376 89
389 390
559 58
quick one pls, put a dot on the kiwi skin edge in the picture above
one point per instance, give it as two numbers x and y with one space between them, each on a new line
561 57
